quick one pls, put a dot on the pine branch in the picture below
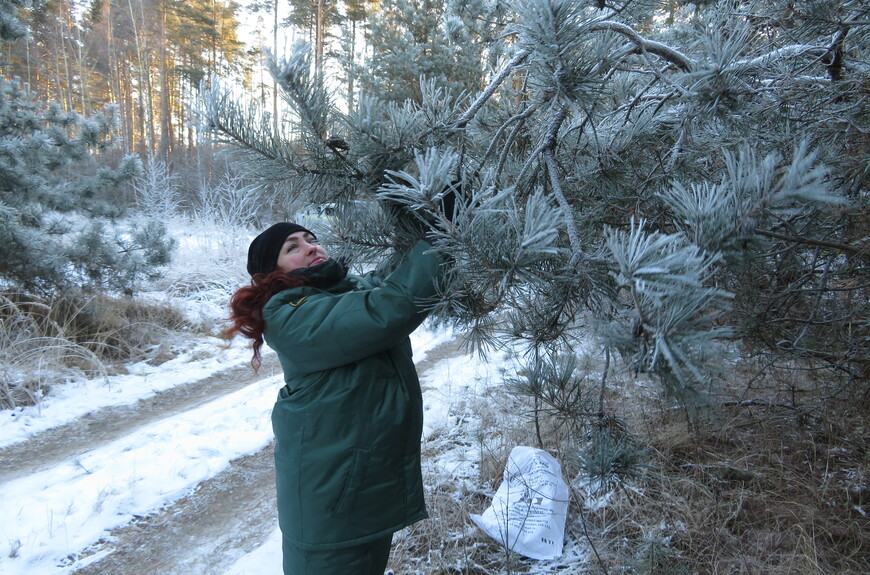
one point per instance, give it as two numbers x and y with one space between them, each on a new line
645 45
520 120
239 139
573 236
811 242
490 90
305 93
505 153
793 51
549 141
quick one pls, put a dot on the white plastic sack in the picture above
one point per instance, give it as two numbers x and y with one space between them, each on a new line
529 509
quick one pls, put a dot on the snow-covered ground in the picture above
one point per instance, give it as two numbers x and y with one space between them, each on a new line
58 512
71 400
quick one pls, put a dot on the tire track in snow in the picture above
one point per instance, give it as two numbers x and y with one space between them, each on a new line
202 533
48 448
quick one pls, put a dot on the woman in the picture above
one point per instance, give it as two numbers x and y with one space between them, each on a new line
348 421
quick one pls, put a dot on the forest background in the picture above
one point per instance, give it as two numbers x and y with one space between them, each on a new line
682 184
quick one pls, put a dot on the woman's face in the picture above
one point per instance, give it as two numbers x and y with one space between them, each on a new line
300 250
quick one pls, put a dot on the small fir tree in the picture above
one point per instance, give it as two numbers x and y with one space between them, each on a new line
60 200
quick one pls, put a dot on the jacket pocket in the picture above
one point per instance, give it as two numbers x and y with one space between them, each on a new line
353 482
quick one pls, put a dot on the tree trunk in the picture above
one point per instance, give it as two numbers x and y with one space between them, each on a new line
58 53
165 120
146 127
318 38
351 72
274 81
117 95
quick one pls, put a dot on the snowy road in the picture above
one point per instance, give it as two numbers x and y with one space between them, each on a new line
45 449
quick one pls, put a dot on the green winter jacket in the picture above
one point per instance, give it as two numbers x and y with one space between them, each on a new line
349 421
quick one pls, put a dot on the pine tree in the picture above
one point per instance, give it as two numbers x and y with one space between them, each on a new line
10 26
670 180
59 200
410 39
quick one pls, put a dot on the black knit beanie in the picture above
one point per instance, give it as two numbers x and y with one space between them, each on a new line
264 250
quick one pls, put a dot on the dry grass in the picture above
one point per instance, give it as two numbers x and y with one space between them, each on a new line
44 342
762 486
759 494
34 352
117 328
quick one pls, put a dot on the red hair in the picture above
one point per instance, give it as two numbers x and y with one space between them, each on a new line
246 307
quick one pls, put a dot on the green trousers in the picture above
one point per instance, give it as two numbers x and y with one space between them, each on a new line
366 559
